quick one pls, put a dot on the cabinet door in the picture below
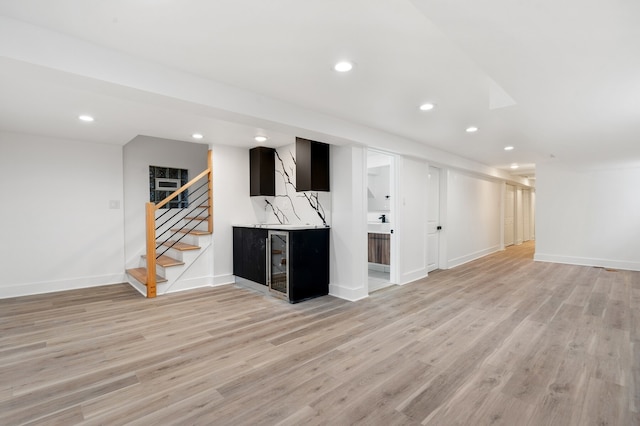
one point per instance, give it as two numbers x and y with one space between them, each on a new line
371 249
312 165
249 257
309 267
255 258
238 252
279 263
384 250
379 249
262 180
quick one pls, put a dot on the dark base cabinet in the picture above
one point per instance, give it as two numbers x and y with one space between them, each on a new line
249 254
299 266
309 267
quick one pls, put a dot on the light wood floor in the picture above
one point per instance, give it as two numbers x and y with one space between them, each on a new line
501 340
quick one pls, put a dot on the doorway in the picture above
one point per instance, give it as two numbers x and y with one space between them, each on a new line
380 219
526 214
509 215
433 220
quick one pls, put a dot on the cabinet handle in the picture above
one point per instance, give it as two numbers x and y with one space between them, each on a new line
267 253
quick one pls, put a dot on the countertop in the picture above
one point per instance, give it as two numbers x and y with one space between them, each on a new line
379 228
280 226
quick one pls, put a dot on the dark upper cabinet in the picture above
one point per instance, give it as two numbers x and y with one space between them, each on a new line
262 163
312 165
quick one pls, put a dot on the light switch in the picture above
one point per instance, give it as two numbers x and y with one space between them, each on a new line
114 204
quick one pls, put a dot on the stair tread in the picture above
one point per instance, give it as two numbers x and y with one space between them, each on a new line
181 246
140 274
196 218
191 231
166 261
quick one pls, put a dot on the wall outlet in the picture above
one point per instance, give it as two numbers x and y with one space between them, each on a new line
114 204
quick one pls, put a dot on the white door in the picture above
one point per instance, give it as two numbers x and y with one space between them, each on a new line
526 212
519 217
509 215
433 219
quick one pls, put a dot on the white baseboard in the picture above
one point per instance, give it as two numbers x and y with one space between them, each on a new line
586 261
346 293
223 279
472 256
188 284
181 285
28 289
412 276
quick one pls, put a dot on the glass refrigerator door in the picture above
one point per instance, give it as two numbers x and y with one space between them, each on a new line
278 265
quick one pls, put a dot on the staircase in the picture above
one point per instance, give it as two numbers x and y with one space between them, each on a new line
176 237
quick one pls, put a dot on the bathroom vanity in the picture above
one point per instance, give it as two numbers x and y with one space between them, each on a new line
379 248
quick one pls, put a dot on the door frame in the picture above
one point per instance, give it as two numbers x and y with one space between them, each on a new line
504 216
393 210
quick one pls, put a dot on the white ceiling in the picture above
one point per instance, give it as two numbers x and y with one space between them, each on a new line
551 78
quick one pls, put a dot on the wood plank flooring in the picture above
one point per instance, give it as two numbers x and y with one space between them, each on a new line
502 340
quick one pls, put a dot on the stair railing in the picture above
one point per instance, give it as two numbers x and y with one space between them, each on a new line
199 198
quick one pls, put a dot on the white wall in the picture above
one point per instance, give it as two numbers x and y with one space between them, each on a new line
58 230
412 224
588 218
232 205
139 154
348 254
473 218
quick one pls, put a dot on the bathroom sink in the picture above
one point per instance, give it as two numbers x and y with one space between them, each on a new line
379 227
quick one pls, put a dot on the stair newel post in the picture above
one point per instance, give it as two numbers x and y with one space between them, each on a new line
210 188
151 249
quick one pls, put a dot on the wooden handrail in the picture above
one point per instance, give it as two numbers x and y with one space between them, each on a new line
150 213
182 189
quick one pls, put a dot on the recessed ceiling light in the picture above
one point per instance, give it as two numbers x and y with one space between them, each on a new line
343 66
86 118
508 148
514 166
472 129
427 107
197 136
261 138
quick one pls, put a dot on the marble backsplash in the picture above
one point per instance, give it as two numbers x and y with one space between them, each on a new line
288 206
